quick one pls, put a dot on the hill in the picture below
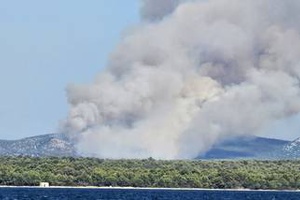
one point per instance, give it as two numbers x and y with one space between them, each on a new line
291 150
42 145
58 145
247 148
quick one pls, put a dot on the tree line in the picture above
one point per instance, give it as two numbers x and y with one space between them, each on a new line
68 171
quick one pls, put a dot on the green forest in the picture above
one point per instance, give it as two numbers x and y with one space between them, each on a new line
30 171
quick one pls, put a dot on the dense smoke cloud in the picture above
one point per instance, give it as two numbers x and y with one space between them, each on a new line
212 69
153 10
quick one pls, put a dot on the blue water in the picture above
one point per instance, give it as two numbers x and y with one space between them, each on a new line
135 194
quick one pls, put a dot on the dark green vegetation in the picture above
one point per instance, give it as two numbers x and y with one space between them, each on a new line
150 173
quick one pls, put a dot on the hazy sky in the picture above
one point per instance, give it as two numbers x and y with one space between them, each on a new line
45 45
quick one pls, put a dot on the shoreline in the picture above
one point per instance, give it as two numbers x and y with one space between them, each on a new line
146 188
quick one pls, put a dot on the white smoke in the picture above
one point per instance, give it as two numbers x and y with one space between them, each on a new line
210 70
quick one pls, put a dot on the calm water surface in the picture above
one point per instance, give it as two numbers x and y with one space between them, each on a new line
136 194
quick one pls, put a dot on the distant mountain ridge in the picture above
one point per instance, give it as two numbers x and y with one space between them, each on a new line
291 150
59 145
248 148
42 145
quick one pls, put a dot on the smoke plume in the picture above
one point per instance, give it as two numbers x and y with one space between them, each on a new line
193 73
154 10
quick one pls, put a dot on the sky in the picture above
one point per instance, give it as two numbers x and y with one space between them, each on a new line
46 45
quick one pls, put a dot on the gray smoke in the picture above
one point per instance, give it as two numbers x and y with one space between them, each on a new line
210 70
153 10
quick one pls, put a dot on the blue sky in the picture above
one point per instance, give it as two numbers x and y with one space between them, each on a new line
44 46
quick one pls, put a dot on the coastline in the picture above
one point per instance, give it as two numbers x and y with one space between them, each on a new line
146 188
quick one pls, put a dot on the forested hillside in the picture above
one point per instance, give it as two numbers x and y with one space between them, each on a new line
150 173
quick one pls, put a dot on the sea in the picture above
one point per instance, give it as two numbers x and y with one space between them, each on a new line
17 193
